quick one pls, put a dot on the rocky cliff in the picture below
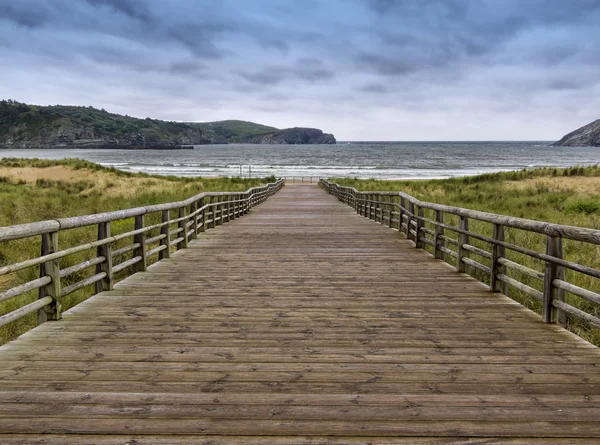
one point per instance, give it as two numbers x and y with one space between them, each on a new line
586 136
293 136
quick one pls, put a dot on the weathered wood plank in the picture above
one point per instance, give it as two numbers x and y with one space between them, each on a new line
302 323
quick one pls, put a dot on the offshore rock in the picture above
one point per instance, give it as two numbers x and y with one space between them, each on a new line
586 136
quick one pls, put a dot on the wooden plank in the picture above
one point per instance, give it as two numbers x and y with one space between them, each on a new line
302 323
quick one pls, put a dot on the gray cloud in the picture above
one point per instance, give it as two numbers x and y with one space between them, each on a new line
22 15
225 59
134 9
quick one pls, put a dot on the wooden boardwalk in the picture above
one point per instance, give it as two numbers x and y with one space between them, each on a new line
306 322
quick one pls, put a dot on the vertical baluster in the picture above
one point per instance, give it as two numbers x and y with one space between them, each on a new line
181 225
219 210
140 239
53 289
104 250
496 268
166 241
390 211
420 224
553 248
227 208
194 211
439 231
202 227
401 215
463 238
411 212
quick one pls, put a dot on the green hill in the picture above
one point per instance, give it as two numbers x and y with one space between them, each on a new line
232 130
60 126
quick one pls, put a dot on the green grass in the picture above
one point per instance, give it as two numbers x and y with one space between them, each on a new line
49 199
564 196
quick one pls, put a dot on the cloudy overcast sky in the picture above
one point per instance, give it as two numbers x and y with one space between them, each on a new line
362 69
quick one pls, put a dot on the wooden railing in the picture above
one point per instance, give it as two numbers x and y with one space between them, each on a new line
303 179
408 215
193 216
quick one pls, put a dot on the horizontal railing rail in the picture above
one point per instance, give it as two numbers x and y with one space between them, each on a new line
193 216
408 215
303 179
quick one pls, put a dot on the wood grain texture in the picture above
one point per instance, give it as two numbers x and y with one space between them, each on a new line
302 323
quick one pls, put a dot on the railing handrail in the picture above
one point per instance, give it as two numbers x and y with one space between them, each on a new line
575 233
410 219
194 216
18 231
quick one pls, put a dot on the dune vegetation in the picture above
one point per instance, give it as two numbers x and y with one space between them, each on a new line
568 196
36 190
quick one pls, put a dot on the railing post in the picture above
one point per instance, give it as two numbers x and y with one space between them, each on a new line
559 294
53 289
401 214
463 238
193 209
363 204
439 231
202 227
166 241
420 224
553 248
226 209
182 225
411 212
220 207
140 239
372 208
390 211
244 203
498 252
104 250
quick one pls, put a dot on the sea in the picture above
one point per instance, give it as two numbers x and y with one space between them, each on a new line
365 160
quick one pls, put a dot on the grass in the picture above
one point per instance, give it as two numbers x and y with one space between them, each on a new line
36 190
568 196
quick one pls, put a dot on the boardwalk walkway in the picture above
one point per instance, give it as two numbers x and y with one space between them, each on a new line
301 320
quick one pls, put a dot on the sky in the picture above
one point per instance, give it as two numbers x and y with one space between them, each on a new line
361 69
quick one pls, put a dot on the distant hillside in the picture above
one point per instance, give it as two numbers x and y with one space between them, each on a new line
232 131
586 136
60 126
292 136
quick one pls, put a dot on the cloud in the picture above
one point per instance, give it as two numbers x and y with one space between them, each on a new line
134 9
22 15
322 62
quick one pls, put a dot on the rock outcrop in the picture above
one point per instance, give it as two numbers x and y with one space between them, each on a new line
586 136
292 136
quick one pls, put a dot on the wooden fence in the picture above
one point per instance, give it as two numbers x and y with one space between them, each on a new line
408 215
303 179
194 215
